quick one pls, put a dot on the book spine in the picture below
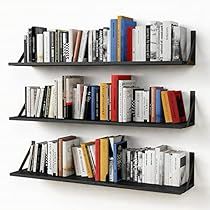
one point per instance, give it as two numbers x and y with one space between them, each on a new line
25 48
56 46
139 105
97 113
97 45
97 156
159 112
104 162
93 103
83 44
94 45
146 106
113 40
82 163
140 166
100 38
153 42
128 171
88 104
84 96
147 42
134 44
52 46
166 107
90 46
46 46
103 101
40 47
137 44
65 46
30 44
105 43
129 44
60 46
108 45
161 42
127 100
153 104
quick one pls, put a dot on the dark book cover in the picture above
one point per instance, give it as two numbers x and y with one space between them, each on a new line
38 157
47 101
25 49
147 42
88 104
30 44
52 46
117 155
60 46
95 102
44 102
34 31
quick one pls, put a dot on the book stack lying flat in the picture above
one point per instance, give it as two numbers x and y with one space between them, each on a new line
109 159
118 101
123 40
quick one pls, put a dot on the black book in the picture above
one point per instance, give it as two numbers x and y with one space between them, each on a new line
97 45
25 49
30 44
38 157
88 105
52 46
32 39
97 104
60 46
47 101
44 102
147 42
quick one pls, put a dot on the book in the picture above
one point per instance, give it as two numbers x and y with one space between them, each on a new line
113 30
83 46
95 97
97 159
72 41
120 19
121 84
90 46
77 46
127 104
118 150
25 45
105 44
52 46
180 104
114 94
46 46
140 43
104 159
158 106
166 107
138 97
76 161
104 109
129 43
40 48
83 102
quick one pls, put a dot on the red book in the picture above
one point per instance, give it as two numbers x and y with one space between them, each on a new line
114 95
180 105
97 156
173 106
129 44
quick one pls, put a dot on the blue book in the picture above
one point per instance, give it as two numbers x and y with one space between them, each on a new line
117 156
94 101
159 108
113 34
125 23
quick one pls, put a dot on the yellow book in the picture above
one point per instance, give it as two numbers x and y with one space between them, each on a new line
166 107
103 101
104 159
87 160
119 18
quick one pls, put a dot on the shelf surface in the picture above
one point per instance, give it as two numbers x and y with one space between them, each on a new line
131 124
121 184
126 63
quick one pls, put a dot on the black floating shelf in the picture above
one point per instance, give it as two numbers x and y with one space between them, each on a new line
126 63
121 184
131 124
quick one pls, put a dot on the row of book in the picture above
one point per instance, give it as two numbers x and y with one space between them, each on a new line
109 159
121 100
123 40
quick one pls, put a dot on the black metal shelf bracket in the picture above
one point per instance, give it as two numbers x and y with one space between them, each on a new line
192 55
191 118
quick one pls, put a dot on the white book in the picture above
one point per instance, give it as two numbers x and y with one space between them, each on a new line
35 156
38 113
167 166
82 163
140 166
90 46
144 166
108 45
78 100
152 166
92 151
121 84
94 45
30 163
155 41
179 43
49 158
105 44
55 114
55 157
141 43
159 169
146 109
40 48
167 39
60 99
83 46
139 106
72 41
127 104
74 114
76 161
134 44
36 102
52 102
160 34
28 101
33 92
82 110
46 46
28 48
68 165
92 157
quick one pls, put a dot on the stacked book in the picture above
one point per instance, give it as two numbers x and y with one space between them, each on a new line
119 101
123 40
109 159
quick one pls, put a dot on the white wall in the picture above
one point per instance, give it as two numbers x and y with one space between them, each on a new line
16 17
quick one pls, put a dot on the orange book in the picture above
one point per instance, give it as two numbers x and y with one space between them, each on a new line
119 18
104 159
87 160
77 46
104 112
166 106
